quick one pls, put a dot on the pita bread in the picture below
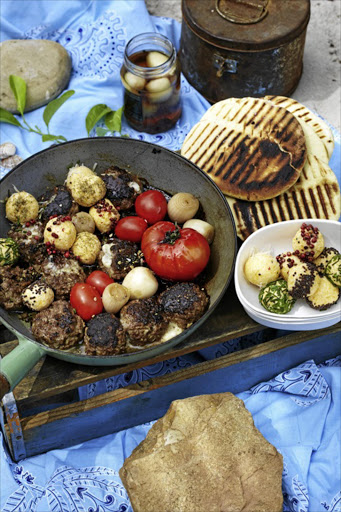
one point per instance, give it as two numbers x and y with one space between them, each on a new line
315 195
315 123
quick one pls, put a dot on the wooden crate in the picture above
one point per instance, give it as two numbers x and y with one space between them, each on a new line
44 411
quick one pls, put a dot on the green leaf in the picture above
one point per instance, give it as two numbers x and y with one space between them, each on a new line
101 131
52 107
7 117
18 86
113 120
47 137
95 114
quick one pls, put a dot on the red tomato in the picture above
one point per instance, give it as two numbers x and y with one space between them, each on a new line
173 253
99 280
86 300
131 228
151 205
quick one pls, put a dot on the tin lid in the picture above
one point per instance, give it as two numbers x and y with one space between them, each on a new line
247 25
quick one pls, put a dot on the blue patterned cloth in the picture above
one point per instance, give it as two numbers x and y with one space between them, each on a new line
298 412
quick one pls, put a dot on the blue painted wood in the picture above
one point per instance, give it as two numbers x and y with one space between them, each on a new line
153 404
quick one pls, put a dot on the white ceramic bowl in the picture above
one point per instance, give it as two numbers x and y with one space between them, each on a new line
276 239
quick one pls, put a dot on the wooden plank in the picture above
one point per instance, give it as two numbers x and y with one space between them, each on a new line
240 371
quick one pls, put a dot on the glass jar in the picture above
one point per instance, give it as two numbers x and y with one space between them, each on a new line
151 79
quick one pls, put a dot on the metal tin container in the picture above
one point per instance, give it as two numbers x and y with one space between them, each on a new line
236 48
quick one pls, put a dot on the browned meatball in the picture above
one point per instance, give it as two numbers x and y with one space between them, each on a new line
122 187
61 274
13 281
104 336
118 257
144 321
57 201
58 326
183 303
29 238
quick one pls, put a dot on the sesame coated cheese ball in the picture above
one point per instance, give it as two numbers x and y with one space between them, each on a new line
104 215
60 232
303 280
38 296
261 269
86 248
87 190
308 242
21 207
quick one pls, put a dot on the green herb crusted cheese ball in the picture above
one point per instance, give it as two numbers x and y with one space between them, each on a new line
275 297
333 270
21 207
261 268
9 252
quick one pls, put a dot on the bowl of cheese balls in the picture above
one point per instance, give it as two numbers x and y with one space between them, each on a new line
288 275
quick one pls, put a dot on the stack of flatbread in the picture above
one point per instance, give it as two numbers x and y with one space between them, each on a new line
270 158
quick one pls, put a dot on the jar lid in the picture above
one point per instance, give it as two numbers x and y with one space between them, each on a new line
247 25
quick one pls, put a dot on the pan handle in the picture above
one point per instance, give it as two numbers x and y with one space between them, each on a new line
18 363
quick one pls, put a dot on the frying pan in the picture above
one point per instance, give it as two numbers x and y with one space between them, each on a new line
163 169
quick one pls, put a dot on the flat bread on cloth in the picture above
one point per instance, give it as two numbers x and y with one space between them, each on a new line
253 150
204 455
315 195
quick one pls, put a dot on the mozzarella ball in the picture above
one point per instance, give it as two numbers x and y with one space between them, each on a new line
261 269
83 222
182 207
134 82
87 190
21 207
114 297
104 215
155 59
78 170
202 227
308 241
60 232
86 247
141 283
38 296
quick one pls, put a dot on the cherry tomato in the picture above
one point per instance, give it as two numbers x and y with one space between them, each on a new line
131 228
151 205
99 280
86 300
173 253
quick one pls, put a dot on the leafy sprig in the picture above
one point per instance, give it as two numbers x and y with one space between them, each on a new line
112 120
19 87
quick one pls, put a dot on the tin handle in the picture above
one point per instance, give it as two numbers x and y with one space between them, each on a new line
244 12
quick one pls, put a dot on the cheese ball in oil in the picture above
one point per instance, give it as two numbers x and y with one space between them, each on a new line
261 268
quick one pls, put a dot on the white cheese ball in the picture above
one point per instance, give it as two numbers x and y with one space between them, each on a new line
104 215
21 207
78 170
134 82
155 59
86 247
141 283
60 232
159 89
38 296
87 190
83 222
261 269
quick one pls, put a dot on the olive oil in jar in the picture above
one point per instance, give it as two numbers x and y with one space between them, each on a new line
151 79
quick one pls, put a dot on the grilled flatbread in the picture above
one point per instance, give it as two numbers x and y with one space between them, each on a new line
315 195
310 120
248 162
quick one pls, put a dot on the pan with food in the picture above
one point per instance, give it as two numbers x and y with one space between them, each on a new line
63 261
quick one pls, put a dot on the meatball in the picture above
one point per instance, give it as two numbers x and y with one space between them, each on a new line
183 303
57 201
122 187
29 238
58 326
61 274
104 335
144 322
21 207
13 281
118 257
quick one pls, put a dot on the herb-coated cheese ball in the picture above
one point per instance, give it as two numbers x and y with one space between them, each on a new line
261 268
333 270
303 280
38 296
60 232
86 247
84 222
78 170
104 215
326 255
325 296
308 242
286 262
9 251
21 207
87 190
